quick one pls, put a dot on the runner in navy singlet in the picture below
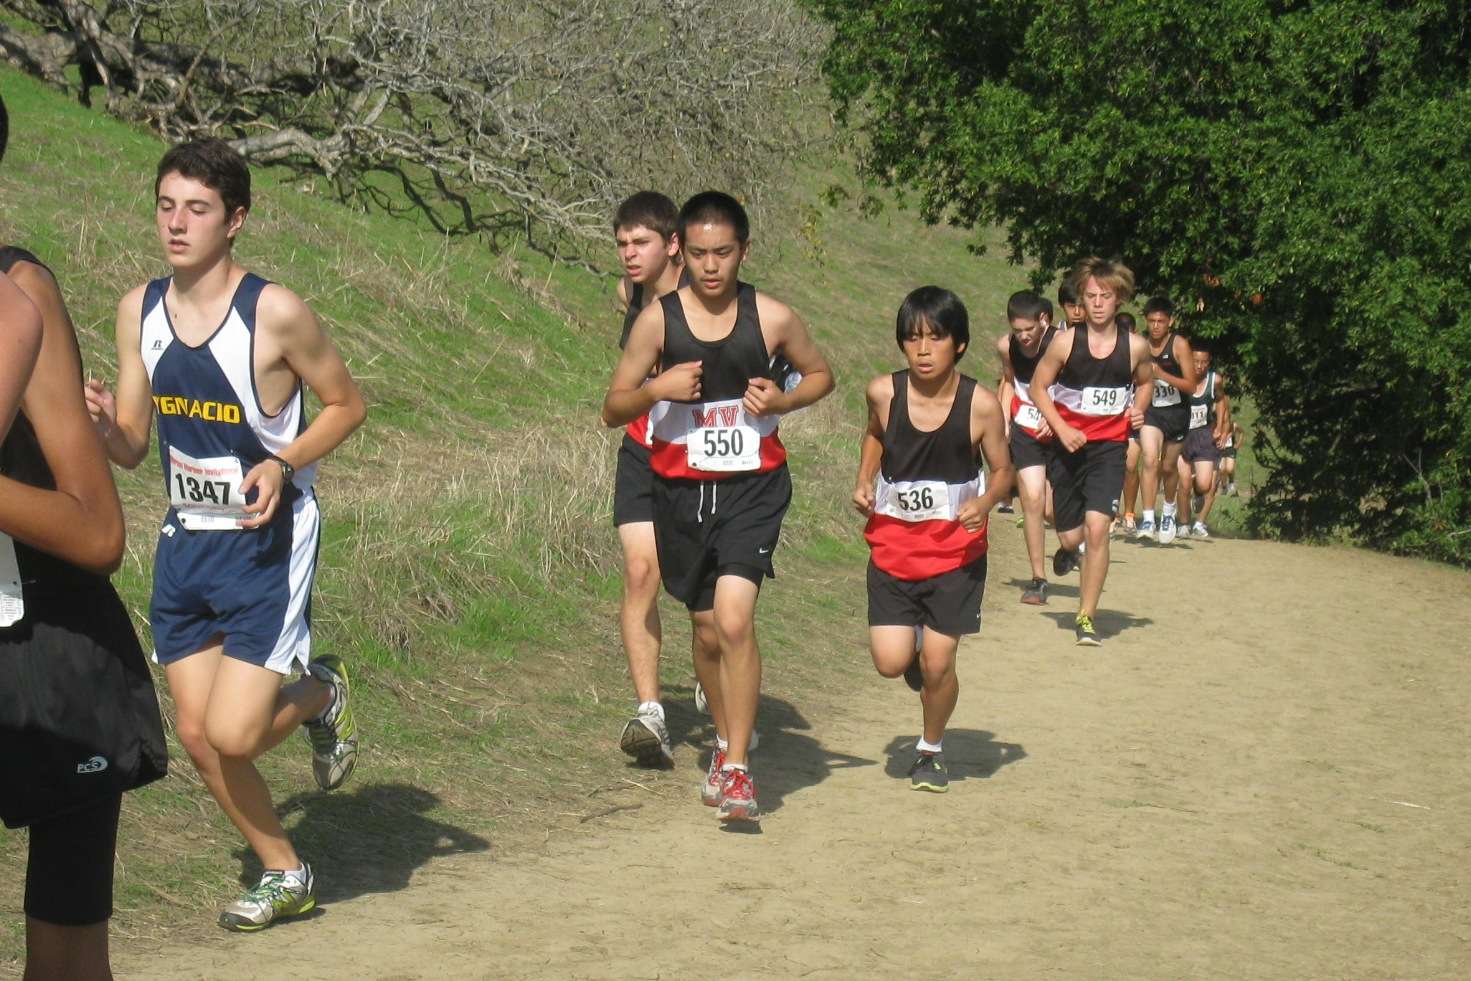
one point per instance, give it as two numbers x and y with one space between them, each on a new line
222 357
721 485
648 248
921 487
1085 388
1030 439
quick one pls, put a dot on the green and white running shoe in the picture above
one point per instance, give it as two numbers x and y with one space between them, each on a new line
277 896
334 734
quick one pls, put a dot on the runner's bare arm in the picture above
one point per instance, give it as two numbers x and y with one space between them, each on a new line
879 395
124 417
288 326
81 520
1048 368
20 342
623 293
1007 388
1186 381
1143 368
1223 412
785 333
632 392
988 434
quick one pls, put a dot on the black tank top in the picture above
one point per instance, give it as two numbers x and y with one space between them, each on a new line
1023 366
1169 363
944 454
729 363
1203 406
636 307
21 459
1082 370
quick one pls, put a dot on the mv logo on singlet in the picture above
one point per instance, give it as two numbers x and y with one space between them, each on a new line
728 414
95 765
182 405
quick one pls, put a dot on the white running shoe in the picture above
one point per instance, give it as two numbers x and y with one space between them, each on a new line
1167 529
1199 530
646 739
702 704
1146 529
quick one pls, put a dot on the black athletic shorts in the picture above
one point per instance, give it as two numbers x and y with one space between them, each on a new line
69 872
633 484
1089 480
1230 452
949 603
1172 420
705 529
1027 450
1200 447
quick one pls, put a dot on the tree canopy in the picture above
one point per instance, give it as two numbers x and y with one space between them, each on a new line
1294 174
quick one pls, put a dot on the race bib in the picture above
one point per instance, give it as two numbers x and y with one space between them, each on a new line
720 441
916 500
206 493
1100 401
1028 416
1197 415
1165 394
12 601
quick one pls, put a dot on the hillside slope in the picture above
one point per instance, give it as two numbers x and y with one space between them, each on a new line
469 570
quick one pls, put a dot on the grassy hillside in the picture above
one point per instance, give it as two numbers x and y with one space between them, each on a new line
469 570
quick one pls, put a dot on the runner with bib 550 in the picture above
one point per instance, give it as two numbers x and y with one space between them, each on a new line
721 486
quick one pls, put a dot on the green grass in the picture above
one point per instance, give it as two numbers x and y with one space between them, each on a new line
469 571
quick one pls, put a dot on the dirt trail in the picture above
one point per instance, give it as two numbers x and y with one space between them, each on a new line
1285 796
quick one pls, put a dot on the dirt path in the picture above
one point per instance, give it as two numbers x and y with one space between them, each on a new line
1286 798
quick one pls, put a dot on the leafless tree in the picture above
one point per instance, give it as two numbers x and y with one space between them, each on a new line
488 115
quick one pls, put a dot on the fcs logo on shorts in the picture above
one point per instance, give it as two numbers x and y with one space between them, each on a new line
95 765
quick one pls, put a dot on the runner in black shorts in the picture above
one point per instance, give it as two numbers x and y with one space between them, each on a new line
1168 417
1210 428
1030 439
79 722
927 514
1096 371
720 478
648 248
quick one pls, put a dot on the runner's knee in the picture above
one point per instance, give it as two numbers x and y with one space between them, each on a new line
641 576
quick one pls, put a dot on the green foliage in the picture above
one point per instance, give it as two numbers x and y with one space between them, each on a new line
1292 173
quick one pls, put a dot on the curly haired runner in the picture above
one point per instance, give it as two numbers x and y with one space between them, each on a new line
1085 388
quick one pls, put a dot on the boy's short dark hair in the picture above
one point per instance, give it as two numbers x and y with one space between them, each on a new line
1026 305
1066 294
718 208
1126 322
939 308
4 128
1159 304
1047 308
652 210
215 164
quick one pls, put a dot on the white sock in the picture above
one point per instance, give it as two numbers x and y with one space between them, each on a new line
1149 515
1169 510
299 874
654 707
735 766
723 744
928 747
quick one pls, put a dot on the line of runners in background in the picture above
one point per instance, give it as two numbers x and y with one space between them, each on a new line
1181 457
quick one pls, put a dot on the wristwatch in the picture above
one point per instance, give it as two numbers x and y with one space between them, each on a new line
287 470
